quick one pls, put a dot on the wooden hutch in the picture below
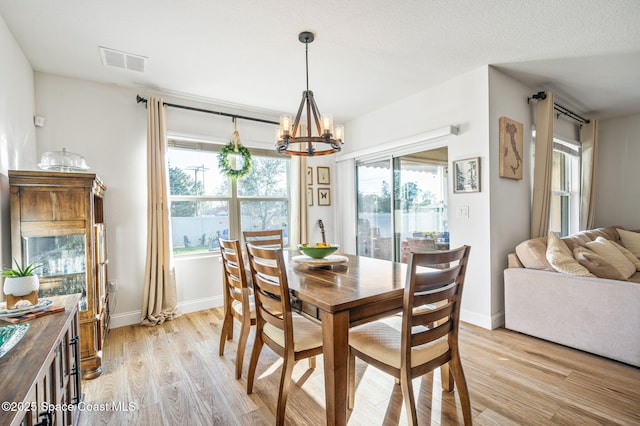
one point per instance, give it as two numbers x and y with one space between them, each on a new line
57 220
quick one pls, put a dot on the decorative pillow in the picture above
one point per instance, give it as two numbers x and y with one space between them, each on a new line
630 241
628 255
561 258
597 264
532 254
607 250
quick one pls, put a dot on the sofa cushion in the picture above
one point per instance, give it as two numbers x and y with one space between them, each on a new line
597 264
532 254
561 258
628 255
630 241
607 250
609 233
577 240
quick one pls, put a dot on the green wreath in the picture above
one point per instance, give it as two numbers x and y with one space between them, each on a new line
225 166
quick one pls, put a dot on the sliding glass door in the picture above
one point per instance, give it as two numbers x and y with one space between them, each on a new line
402 205
375 230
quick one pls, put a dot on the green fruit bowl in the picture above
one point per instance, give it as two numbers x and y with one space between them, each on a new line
318 252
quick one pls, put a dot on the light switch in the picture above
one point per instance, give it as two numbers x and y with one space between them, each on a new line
462 212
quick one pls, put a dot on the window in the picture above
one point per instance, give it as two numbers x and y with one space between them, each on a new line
206 205
564 211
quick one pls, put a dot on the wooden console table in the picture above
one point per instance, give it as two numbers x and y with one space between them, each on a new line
42 370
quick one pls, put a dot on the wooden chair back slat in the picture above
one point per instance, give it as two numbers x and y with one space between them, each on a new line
433 278
436 295
266 270
431 334
266 286
270 304
273 317
272 238
432 315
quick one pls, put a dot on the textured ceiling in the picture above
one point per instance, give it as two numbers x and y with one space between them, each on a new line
367 53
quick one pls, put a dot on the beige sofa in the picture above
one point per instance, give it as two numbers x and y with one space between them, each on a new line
597 315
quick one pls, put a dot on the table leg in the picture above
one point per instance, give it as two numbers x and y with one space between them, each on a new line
335 340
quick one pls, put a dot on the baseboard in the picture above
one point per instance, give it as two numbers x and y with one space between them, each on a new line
489 322
133 317
129 318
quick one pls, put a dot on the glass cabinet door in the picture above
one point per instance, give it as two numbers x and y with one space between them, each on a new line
64 264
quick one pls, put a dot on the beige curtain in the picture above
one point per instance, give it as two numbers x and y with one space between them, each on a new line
299 209
542 167
589 140
159 300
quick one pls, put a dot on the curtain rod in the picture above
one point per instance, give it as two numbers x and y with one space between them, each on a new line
562 110
140 100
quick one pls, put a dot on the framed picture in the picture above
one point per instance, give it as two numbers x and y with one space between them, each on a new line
511 138
466 175
309 175
310 196
323 176
324 197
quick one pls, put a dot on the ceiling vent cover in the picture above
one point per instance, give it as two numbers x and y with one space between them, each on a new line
123 60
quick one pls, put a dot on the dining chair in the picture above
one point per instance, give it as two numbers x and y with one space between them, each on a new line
291 336
425 336
239 302
270 238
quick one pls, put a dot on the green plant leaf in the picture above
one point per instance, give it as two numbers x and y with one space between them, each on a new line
19 271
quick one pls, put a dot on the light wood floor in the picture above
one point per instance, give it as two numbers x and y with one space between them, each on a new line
172 375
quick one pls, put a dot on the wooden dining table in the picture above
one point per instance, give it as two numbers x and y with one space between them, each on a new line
355 292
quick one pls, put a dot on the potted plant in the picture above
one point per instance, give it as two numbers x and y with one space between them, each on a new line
21 283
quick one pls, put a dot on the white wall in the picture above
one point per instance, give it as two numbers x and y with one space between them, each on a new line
17 132
325 213
510 199
618 192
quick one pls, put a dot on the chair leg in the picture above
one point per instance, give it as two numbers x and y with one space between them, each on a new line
463 390
224 332
312 362
285 381
407 395
242 343
255 354
351 371
446 377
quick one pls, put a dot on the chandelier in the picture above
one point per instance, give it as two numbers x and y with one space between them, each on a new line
297 138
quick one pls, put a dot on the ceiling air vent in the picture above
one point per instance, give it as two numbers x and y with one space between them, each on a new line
123 60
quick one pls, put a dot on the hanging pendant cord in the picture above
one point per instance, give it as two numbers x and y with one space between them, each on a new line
306 56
